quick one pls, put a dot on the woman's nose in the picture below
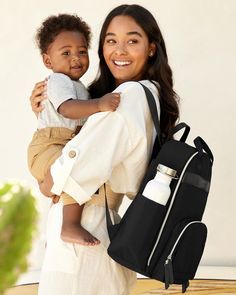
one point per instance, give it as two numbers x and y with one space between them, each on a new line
121 48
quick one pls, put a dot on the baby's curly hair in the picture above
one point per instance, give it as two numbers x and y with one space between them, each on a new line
55 24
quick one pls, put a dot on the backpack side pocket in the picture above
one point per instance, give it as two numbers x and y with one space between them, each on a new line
136 234
183 253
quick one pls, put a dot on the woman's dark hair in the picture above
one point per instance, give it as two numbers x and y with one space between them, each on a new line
56 24
157 69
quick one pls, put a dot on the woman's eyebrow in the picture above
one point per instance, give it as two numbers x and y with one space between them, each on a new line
128 33
135 33
110 34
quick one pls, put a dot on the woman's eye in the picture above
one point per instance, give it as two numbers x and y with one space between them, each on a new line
66 53
133 41
110 41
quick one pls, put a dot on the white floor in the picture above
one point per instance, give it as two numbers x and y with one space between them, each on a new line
204 272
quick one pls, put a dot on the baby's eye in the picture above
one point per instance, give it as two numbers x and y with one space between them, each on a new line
83 52
66 53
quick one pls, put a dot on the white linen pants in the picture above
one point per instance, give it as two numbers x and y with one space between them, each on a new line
73 269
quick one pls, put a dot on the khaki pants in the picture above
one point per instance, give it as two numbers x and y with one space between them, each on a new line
46 146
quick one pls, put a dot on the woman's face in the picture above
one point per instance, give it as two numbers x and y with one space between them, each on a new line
126 49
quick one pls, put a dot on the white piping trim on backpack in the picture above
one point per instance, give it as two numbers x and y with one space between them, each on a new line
179 237
171 204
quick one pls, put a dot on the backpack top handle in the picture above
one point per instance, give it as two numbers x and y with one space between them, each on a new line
179 127
201 145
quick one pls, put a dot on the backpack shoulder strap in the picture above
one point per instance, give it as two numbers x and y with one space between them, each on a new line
154 113
153 108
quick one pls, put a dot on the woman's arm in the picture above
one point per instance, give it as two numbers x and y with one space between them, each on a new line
90 162
112 146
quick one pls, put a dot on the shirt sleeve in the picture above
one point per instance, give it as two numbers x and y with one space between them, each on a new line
88 159
107 140
60 89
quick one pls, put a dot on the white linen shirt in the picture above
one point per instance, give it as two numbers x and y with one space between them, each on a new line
112 147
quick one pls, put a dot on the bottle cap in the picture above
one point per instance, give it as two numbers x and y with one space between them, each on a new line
166 170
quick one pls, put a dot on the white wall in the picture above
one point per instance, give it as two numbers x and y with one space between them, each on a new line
201 43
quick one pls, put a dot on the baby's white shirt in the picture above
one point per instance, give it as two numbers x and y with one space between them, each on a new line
61 88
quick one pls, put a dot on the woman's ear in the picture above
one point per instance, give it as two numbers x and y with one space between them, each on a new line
152 49
47 61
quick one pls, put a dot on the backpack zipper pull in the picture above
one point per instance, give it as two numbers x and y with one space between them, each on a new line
185 286
169 276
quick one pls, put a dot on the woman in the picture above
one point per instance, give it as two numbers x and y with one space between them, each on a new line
112 148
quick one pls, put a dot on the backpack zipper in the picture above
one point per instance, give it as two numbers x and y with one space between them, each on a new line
169 276
179 237
169 209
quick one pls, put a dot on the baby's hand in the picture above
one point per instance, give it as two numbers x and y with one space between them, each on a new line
109 102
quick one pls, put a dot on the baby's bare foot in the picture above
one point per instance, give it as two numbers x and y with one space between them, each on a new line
77 234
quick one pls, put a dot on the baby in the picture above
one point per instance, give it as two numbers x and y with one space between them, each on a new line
63 41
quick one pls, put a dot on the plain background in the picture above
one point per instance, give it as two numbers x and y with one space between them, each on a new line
201 44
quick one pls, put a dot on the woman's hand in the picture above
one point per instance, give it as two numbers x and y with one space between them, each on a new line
46 186
37 96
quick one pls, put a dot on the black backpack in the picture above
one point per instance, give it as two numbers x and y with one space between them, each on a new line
166 242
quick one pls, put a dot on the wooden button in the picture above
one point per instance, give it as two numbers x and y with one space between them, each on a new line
72 154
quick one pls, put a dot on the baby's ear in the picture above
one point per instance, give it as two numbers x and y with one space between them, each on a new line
47 61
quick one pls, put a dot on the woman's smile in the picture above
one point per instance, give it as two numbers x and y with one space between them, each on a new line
122 63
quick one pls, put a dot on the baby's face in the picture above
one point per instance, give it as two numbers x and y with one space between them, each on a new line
68 54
